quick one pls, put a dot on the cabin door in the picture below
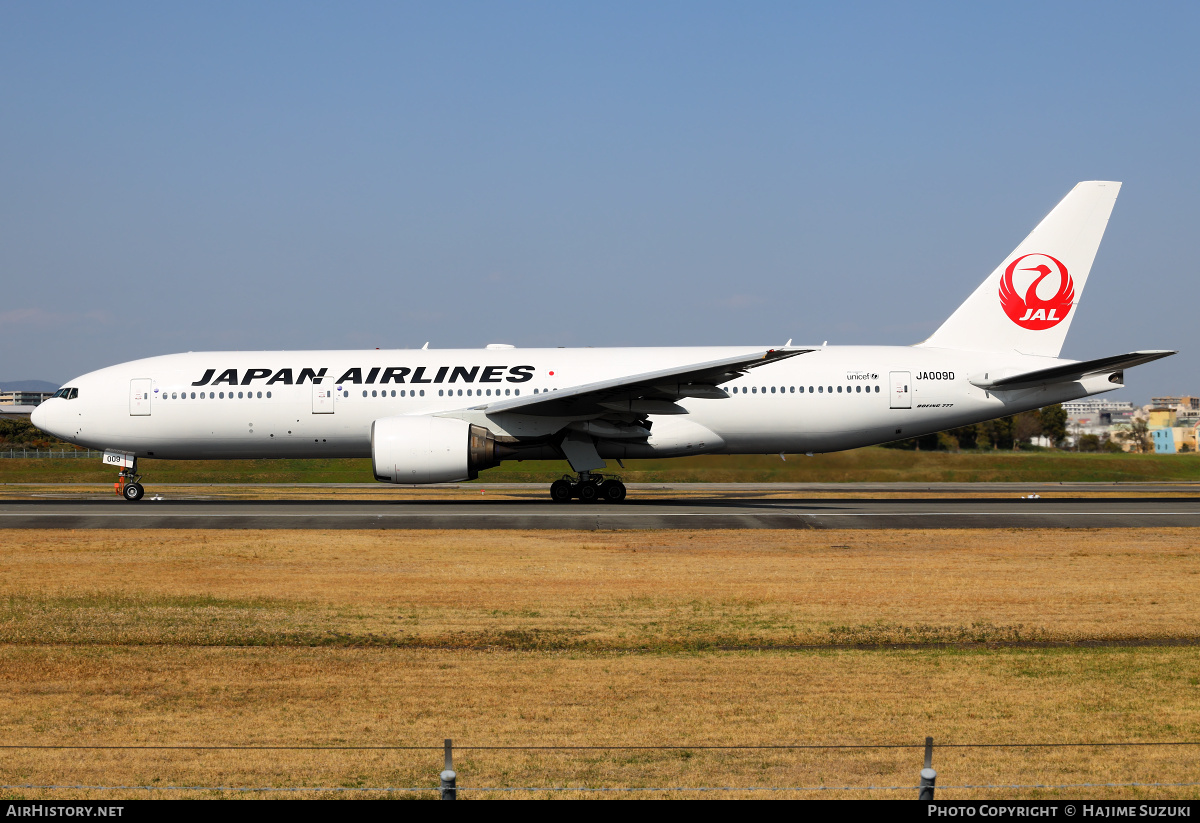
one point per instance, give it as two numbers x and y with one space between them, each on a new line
140 391
901 390
322 399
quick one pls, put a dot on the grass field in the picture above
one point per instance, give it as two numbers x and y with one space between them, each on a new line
618 638
861 465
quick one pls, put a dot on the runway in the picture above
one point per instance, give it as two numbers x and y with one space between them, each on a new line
715 512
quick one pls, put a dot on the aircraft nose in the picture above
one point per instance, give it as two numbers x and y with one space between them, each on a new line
43 417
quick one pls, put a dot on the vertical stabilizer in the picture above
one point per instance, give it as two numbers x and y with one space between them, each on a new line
1029 301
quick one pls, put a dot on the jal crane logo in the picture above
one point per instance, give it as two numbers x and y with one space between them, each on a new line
1032 311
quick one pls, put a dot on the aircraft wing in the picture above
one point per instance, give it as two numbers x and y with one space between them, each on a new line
646 393
1070 371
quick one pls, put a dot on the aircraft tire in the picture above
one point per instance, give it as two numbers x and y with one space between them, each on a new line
133 492
588 492
612 490
561 491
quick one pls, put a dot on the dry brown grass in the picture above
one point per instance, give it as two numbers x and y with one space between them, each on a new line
598 591
167 695
551 638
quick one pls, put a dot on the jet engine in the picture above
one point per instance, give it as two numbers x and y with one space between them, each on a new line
430 450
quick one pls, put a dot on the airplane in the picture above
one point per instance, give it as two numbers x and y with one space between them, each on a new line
438 416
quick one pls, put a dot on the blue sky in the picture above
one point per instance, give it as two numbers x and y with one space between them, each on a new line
292 175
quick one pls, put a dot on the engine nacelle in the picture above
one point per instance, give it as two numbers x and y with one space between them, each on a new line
423 449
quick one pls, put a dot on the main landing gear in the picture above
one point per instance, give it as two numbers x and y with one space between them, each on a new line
129 485
589 488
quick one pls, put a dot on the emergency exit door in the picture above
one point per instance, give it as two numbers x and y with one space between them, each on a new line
322 399
140 391
901 390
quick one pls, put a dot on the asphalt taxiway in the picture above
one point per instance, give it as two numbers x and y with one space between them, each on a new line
726 509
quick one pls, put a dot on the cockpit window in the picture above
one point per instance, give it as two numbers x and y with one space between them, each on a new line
66 393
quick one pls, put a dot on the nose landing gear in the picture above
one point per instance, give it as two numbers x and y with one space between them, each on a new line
589 488
129 484
130 491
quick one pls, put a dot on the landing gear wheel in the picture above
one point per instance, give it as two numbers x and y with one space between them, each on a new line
560 491
589 492
612 490
133 492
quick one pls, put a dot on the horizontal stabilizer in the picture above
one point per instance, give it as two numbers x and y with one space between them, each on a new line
1068 372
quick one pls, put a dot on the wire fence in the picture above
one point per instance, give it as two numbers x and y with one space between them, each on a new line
590 789
447 786
49 454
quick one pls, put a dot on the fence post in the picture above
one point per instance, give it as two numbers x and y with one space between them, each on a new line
928 775
449 778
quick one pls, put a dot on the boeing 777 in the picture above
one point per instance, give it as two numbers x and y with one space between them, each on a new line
435 416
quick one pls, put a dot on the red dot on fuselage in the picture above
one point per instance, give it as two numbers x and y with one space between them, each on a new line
551 374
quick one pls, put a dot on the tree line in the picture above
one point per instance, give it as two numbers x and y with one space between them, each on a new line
19 432
1009 433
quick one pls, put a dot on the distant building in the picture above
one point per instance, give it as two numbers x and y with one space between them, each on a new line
1172 427
1162 417
1174 440
1096 416
9 412
23 398
1095 405
1186 401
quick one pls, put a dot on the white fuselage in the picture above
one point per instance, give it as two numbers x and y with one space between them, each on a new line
310 404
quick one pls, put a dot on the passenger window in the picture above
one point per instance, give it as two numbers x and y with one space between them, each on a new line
174 396
754 389
222 396
831 389
460 392
839 389
772 390
422 392
858 389
517 392
793 390
506 391
820 388
268 395
440 392
364 392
